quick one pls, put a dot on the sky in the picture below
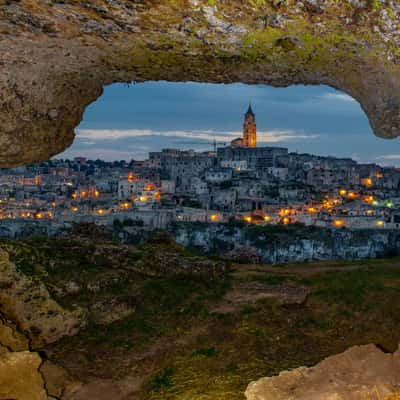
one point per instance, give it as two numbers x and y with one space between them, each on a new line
127 122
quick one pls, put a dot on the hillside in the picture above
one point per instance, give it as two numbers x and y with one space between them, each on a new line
191 328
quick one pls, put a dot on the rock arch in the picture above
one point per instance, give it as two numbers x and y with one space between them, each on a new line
56 55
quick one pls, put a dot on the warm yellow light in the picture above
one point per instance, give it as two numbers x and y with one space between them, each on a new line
379 175
96 193
53 204
343 192
125 205
74 209
267 218
312 210
143 198
369 199
100 211
380 223
370 212
286 220
83 194
39 216
74 195
338 223
131 177
366 182
214 217
352 195
248 219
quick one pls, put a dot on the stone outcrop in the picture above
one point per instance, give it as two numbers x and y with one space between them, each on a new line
20 377
10 338
56 56
27 303
362 372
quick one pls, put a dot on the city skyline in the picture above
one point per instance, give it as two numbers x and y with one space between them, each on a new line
129 122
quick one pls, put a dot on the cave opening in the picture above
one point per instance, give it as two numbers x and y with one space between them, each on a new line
129 121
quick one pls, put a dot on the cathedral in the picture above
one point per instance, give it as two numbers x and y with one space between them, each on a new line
249 138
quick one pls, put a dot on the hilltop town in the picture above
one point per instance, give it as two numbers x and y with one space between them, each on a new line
241 181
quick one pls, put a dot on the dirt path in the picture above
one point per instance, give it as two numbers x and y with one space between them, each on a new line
302 269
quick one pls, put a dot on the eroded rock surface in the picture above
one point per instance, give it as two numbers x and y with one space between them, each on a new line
10 338
362 372
55 56
20 377
27 303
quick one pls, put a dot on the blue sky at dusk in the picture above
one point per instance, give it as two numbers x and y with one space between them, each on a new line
128 122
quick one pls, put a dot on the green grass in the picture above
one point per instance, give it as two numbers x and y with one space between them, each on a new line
163 380
354 288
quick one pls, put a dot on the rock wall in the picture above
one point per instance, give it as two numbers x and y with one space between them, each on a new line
56 56
279 245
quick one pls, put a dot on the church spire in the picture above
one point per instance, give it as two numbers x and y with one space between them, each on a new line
250 110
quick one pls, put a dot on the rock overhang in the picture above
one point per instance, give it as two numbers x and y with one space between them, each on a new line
56 56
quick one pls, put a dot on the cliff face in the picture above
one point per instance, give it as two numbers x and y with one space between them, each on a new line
281 245
55 56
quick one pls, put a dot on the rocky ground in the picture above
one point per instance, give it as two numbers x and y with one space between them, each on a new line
104 320
56 56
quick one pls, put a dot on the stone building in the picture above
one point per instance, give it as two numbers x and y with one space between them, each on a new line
181 166
257 158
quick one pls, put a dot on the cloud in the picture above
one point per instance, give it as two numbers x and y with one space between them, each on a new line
104 154
274 136
88 142
283 136
389 157
337 97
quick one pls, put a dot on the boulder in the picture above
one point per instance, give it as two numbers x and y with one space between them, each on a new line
20 378
360 373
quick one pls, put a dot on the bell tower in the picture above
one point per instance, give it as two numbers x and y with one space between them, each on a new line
249 129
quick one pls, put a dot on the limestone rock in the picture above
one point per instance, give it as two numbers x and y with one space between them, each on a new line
11 338
362 372
20 377
27 303
394 396
56 56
